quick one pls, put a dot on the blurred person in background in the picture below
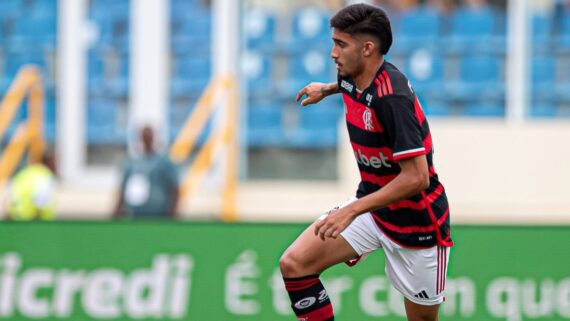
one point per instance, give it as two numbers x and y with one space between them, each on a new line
149 184
31 194
400 204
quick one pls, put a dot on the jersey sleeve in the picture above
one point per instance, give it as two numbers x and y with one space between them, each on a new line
403 129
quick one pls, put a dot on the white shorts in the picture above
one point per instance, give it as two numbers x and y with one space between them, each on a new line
419 274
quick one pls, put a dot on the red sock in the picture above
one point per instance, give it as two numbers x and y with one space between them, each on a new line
310 300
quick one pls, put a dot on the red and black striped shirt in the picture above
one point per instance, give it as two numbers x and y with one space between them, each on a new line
386 124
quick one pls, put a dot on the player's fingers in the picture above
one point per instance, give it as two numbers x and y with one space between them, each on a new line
323 231
301 93
318 226
329 232
323 234
305 101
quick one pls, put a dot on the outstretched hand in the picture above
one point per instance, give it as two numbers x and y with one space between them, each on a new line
333 224
314 93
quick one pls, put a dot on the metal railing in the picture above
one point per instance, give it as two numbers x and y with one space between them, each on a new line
220 92
29 133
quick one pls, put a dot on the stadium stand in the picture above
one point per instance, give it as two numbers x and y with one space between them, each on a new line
190 76
28 36
265 125
541 33
425 70
562 37
479 79
260 28
313 65
455 62
317 126
419 28
257 70
543 77
473 31
310 29
103 126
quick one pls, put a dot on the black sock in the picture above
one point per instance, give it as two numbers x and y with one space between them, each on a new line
309 298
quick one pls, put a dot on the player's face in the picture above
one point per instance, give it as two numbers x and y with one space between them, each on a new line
346 53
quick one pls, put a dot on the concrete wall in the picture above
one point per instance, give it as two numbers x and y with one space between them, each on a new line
493 173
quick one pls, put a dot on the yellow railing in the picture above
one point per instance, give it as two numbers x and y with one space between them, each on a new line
223 90
30 132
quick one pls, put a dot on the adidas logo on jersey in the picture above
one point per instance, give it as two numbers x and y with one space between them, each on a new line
421 295
375 162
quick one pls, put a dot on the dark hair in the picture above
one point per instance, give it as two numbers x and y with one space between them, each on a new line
365 19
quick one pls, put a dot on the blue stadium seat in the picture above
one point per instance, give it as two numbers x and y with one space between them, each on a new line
95 73
542 109
2 33
118 82
485 110
259 26
318 126
562 39
177 6
33 32
541 33
473 31
425 71
543 78
14 60
303 69
310 30
436 108
102 121
264 125
419 28
112 19
562 89
190 76
50 116
191 32
43 7
257 69
10 9
479 79
108 75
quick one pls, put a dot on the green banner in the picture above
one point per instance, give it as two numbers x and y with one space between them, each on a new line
216 272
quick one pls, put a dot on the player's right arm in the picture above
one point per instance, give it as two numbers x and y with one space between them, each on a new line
316 91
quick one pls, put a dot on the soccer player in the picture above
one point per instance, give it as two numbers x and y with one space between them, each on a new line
400 205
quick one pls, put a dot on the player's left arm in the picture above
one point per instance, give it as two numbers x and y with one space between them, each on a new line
412 180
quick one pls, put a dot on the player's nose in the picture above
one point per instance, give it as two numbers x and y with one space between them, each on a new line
334 54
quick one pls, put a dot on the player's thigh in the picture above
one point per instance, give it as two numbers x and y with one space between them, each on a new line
308 254
418 312
419 274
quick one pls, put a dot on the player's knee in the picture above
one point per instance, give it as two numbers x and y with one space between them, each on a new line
290 267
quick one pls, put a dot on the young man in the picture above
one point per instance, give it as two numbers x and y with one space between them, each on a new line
400 205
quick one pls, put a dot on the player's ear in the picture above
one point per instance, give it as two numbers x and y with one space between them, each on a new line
368 48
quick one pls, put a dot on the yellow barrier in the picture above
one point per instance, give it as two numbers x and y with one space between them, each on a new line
30 132
225 136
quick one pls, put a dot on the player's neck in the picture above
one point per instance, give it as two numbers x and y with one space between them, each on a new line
365 78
